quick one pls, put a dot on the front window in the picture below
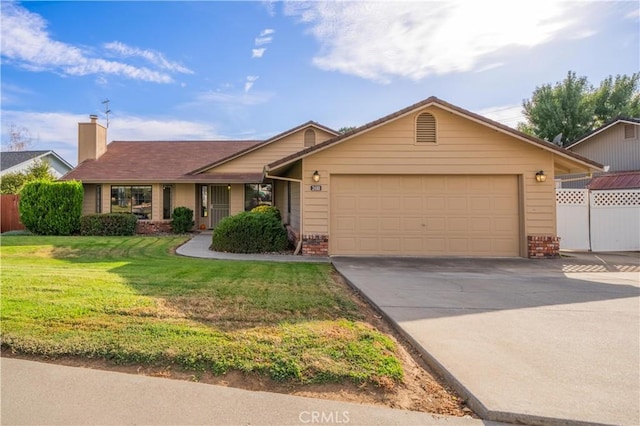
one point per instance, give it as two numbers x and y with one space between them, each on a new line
257 194
132 199
167 202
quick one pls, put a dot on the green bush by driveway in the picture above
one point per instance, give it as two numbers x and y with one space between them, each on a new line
130 301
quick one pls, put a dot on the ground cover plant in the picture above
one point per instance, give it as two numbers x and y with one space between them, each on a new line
128 300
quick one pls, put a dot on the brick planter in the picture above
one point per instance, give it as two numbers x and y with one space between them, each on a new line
315 245
543 246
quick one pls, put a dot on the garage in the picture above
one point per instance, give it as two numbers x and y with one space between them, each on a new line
448 215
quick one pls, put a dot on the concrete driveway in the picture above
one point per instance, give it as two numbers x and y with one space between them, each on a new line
532 341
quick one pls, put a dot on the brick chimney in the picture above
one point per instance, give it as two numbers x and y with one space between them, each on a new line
92 140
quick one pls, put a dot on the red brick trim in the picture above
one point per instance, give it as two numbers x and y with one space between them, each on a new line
315 245
543 246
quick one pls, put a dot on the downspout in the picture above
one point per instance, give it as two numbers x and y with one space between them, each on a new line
268 176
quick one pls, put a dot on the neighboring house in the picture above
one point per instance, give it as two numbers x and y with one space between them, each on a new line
21 161
430 179
616 145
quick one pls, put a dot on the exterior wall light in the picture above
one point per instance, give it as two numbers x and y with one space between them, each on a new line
228 187
316 176
541 177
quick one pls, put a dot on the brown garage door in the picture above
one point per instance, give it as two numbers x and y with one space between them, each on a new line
424 215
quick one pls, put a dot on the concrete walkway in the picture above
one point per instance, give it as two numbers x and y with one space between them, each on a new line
525 341
198 246
39 393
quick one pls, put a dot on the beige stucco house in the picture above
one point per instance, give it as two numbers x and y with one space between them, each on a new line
431 179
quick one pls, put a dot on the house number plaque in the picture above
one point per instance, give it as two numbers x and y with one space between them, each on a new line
316 187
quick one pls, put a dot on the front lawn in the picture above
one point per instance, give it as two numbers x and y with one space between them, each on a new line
129 300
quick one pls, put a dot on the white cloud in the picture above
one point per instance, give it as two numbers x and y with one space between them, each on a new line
509 115
59 130
267 31
251 79
270 7
257 53
263 40
382 40
156 58
26 43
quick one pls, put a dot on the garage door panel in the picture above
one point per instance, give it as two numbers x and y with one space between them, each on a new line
481 224
457 204
424 215
457 224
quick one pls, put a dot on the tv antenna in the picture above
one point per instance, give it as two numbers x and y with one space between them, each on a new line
107 111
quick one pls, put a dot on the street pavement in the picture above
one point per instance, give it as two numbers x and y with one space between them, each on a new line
35 393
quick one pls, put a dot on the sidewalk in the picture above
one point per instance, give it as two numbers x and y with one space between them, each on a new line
42 393
198 246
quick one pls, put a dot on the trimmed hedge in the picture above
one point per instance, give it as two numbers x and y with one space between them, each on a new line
182 220
250 232
108 224
51 208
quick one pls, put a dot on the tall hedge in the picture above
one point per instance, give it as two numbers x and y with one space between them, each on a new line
51 208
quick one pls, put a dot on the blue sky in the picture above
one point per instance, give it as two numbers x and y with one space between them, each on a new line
249 70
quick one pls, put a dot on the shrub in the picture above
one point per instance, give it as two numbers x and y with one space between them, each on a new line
250 232
51 208
182 220
109 224
265 209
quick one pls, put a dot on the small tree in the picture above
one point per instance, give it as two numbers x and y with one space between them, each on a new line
12 183
19 138
51 208
182 220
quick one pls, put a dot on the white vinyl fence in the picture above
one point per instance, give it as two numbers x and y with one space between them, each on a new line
602 220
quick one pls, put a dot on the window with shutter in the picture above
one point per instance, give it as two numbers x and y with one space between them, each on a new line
309 138
426 128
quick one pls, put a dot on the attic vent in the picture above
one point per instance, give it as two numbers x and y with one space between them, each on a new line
426 128
629 131
309 138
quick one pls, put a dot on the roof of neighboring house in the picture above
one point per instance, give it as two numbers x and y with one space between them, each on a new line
9 159
449 107
267 142
604 127
619 180
155 161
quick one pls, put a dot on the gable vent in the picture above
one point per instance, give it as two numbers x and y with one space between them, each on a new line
309 138
426 128
629 131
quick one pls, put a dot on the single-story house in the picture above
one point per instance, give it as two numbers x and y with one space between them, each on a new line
431 179
615 144
21 161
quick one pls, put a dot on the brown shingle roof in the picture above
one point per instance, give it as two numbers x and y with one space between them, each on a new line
447 106
154 161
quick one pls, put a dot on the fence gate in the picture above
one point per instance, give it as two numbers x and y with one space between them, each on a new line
598 220
572 212
9 215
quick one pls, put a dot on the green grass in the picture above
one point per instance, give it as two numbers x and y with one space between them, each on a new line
130 301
